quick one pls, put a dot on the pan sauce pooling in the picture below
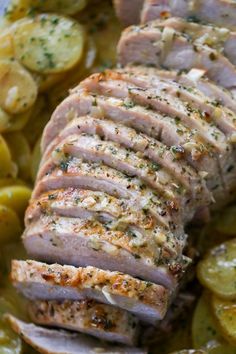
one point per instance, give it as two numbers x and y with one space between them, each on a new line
38 79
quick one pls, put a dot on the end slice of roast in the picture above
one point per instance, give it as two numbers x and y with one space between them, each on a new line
41 281
87 316
50 341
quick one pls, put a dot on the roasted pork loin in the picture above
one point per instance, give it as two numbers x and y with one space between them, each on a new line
129 159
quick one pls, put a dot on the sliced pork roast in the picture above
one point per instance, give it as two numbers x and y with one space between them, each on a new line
87 316
218 12
129 159
51 341
41 281
153 44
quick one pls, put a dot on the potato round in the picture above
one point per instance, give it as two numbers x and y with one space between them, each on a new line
217 271
225 314
18 89
9 224
6 45
48 43
21 153
7 166
21 8
4 120
204 327
16 198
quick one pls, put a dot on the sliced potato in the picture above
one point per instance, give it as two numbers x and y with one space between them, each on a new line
10 343
217 271
21 8
5 182
225 314
18 89
7 166
48 44
203 325
226 223
15 197
10 225
20 152
221 348
36 157
4 120
6 45
18 121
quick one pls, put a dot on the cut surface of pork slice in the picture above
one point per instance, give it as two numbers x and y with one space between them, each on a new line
218 12
196 78
222 39
88 204
223 118
41 281
219 150
87 316
51 341
116 214
114 84
128 11
155 257
162 127
93 148
84 175
139 142
170 49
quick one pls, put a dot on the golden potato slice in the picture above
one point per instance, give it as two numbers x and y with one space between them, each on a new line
20 152
217 271
46 81
225 314
21 8
10 343
10 226
15 197
5 182
18 89
18 121
4 120
48 43
7 167
6 45
204 328
226 223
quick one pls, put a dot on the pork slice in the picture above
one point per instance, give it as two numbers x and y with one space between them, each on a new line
93 148
196 78
84 175
219 12
156 257
222 39
223 118
51 341
170 49
162 127
87 316
41 281
139 142
88 204
113 84
128 11
218 150
116 214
